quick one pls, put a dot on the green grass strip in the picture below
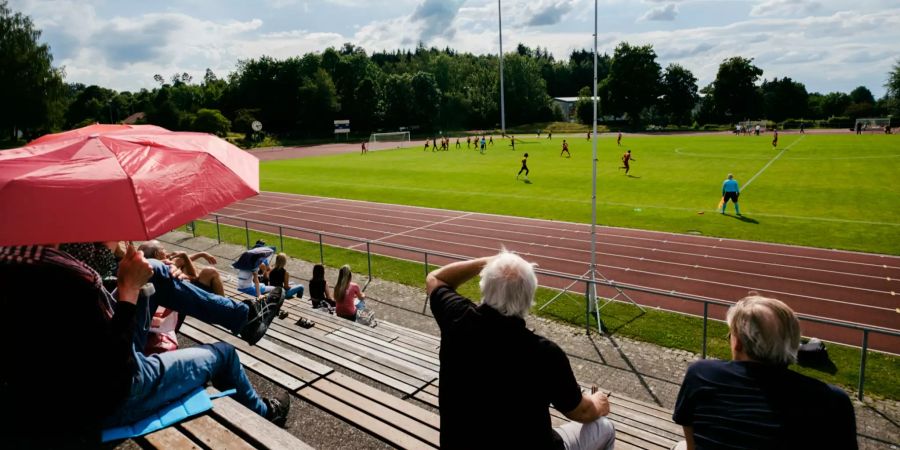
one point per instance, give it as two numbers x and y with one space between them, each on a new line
666 329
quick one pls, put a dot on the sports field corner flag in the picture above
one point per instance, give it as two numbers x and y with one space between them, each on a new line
721 202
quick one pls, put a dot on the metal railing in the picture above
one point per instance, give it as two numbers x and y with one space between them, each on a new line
706 301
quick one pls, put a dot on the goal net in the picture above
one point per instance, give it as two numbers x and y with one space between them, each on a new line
749 126
873 124
400 138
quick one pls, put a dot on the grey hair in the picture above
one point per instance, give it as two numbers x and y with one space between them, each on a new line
150 248
767 328
508 283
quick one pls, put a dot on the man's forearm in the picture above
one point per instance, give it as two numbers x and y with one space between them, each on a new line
458 273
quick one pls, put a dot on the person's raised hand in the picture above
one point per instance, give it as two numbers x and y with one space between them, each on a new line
209 258
134 272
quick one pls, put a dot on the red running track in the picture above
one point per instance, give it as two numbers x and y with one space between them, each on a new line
849 286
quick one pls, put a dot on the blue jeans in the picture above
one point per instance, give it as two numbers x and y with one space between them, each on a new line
188 300
251 290
295 290
159 379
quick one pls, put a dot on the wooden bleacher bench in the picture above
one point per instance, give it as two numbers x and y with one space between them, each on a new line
229 425
399 358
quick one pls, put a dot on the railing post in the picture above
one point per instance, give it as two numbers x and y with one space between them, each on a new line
862 363
280 238
425 305
321 250
369 257
193 228
705 324
218 233
247 233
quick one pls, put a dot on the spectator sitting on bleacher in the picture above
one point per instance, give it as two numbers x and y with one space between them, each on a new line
348 297
279 277
207 278
498 379
755 401
318 288
248 266
78 366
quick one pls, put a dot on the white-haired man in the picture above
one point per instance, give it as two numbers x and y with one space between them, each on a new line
754 401
498 379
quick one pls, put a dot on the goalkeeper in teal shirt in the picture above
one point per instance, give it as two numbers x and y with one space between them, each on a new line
730 191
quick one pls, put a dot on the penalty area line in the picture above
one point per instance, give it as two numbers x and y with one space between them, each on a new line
747 184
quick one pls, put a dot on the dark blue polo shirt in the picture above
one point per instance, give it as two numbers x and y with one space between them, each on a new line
744 404
498 379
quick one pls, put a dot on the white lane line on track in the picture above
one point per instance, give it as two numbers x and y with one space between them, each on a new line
401 233
747 184
718 246
567 260
604 244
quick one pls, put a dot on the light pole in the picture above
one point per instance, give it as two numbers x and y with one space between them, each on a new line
502 98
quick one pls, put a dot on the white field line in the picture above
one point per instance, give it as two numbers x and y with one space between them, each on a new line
627 205
381 215
747 184
412 230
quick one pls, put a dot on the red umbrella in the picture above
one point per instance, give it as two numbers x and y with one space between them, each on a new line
98 128
120 185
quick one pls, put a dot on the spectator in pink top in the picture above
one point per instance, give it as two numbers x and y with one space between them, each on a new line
347 295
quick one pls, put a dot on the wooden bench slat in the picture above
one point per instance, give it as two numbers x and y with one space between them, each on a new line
319 344
299 307
397 419
650 424
275 375
428 361
361 419
400 362
169 438
640 437
213 434
642 407
267 356
266 433
427 417
348 363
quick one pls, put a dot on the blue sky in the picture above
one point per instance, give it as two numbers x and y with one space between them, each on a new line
828 45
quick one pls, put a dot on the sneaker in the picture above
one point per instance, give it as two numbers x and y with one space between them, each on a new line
277 408
261 314
305 323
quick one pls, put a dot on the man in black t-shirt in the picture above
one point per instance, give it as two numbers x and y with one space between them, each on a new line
498 379
754 401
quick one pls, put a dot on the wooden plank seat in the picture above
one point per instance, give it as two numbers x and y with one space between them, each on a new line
228 425
405 359
389 418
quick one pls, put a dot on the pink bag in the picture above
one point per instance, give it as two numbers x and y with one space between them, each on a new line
161 337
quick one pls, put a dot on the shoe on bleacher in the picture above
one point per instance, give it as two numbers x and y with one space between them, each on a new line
261 314
277 408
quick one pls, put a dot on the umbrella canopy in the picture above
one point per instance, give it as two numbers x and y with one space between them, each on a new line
125 184
99 128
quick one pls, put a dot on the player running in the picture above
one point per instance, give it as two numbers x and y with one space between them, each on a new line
775 138
626 161
730 191
512 142
565 149
524 168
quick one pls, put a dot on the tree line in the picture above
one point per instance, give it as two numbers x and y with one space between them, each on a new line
425 89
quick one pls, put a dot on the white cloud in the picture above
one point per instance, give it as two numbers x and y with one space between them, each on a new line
786 8
661 13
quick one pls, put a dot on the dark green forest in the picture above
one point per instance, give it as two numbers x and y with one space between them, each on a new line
425 90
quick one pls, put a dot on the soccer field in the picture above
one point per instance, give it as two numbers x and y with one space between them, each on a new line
832 191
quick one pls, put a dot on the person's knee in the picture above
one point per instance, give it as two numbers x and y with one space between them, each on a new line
225 351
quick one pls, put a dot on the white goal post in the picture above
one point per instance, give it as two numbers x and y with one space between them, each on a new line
750 125
872 124
400 137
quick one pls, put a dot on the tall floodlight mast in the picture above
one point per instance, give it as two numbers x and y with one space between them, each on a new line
502 99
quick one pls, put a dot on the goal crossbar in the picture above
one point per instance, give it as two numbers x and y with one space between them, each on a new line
399 137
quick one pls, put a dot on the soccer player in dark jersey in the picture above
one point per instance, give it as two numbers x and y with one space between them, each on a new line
512 142
364 149
565 149
491 141
619 139
426 145
626 160
775 138
524 168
